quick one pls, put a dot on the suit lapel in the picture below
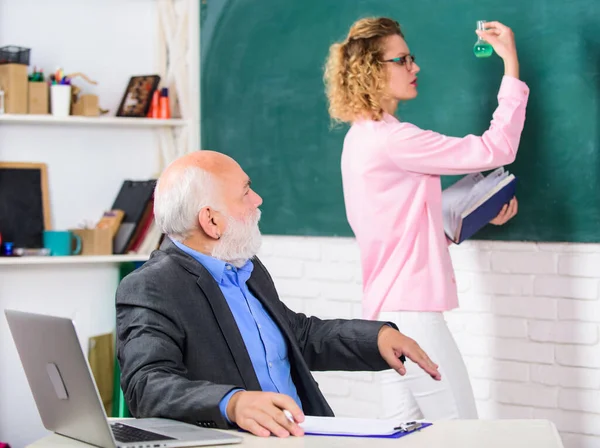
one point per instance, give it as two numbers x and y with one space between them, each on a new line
230 330
260 291
312 399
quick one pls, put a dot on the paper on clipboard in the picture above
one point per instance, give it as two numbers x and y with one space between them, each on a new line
359 427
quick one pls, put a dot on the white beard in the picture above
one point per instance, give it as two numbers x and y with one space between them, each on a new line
240 241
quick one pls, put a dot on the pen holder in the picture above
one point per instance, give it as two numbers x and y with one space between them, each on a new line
60 100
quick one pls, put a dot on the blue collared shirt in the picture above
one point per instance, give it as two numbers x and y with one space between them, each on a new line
262 337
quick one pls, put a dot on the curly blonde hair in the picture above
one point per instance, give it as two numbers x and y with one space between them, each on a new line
354 77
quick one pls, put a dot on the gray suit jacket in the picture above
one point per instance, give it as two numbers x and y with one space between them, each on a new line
181 352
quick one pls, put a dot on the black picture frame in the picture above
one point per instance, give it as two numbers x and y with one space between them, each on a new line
137 98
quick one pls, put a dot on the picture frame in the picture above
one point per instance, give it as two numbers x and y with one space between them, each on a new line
137 98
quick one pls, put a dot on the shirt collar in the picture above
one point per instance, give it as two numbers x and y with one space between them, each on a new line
389 118
213 265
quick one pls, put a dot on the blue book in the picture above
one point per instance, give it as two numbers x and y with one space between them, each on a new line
472 202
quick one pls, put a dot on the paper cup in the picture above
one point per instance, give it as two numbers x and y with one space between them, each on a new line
60 100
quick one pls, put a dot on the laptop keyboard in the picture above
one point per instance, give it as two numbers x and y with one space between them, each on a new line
129 434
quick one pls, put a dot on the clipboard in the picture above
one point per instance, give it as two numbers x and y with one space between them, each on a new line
369 428
401 431
360 427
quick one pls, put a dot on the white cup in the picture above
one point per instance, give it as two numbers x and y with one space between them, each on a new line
60 100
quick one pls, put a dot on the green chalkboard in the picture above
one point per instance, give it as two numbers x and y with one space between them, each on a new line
263 102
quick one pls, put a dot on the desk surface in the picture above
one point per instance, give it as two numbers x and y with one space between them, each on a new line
455 433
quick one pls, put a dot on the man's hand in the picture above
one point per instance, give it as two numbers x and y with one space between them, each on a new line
392 344
261 413
507 212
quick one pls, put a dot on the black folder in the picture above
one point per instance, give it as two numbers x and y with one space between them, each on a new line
133 198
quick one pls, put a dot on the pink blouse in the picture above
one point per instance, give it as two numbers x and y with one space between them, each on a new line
392 191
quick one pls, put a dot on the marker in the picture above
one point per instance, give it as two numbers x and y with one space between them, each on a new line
8 249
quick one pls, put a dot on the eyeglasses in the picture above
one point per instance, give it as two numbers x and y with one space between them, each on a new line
407 60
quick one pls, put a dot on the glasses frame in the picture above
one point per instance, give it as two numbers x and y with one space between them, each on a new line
403 61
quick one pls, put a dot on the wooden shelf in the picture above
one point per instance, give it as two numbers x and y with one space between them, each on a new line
75 259
92 121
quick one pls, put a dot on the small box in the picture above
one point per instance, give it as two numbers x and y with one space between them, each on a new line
111 219
13 80
86 105
95 241
38 98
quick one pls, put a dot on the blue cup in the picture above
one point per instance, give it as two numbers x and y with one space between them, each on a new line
61 242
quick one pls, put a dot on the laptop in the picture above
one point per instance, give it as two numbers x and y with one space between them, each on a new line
67 398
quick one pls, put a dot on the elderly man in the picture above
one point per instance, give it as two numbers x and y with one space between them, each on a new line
202 334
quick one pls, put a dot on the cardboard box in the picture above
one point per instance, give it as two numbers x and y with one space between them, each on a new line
13 80
38 98
86 105
95 241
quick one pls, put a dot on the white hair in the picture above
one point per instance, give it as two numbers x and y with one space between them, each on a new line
177 204
240 241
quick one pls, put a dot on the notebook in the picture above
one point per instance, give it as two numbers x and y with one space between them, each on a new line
472 202
359 427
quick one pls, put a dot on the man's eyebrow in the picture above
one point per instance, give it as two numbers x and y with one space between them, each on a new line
248 183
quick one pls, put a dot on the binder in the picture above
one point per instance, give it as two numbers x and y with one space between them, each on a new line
472 202
360 427
134 198
142 228
488 210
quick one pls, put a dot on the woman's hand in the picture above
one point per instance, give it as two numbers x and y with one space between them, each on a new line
502 39
507 212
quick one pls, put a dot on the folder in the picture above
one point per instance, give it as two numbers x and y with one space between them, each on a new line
472 202
134 198
360 427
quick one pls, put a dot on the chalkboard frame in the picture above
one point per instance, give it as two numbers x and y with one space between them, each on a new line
42 167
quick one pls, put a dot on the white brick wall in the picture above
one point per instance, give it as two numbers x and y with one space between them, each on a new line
528 325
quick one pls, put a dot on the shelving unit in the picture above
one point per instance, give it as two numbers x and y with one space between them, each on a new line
74 259
92 121
89 157
177 63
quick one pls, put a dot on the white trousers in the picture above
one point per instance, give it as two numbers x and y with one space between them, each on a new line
416 395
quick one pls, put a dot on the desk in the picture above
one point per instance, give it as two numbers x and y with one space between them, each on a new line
445 434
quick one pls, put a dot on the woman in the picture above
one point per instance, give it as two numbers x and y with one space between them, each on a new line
393 195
